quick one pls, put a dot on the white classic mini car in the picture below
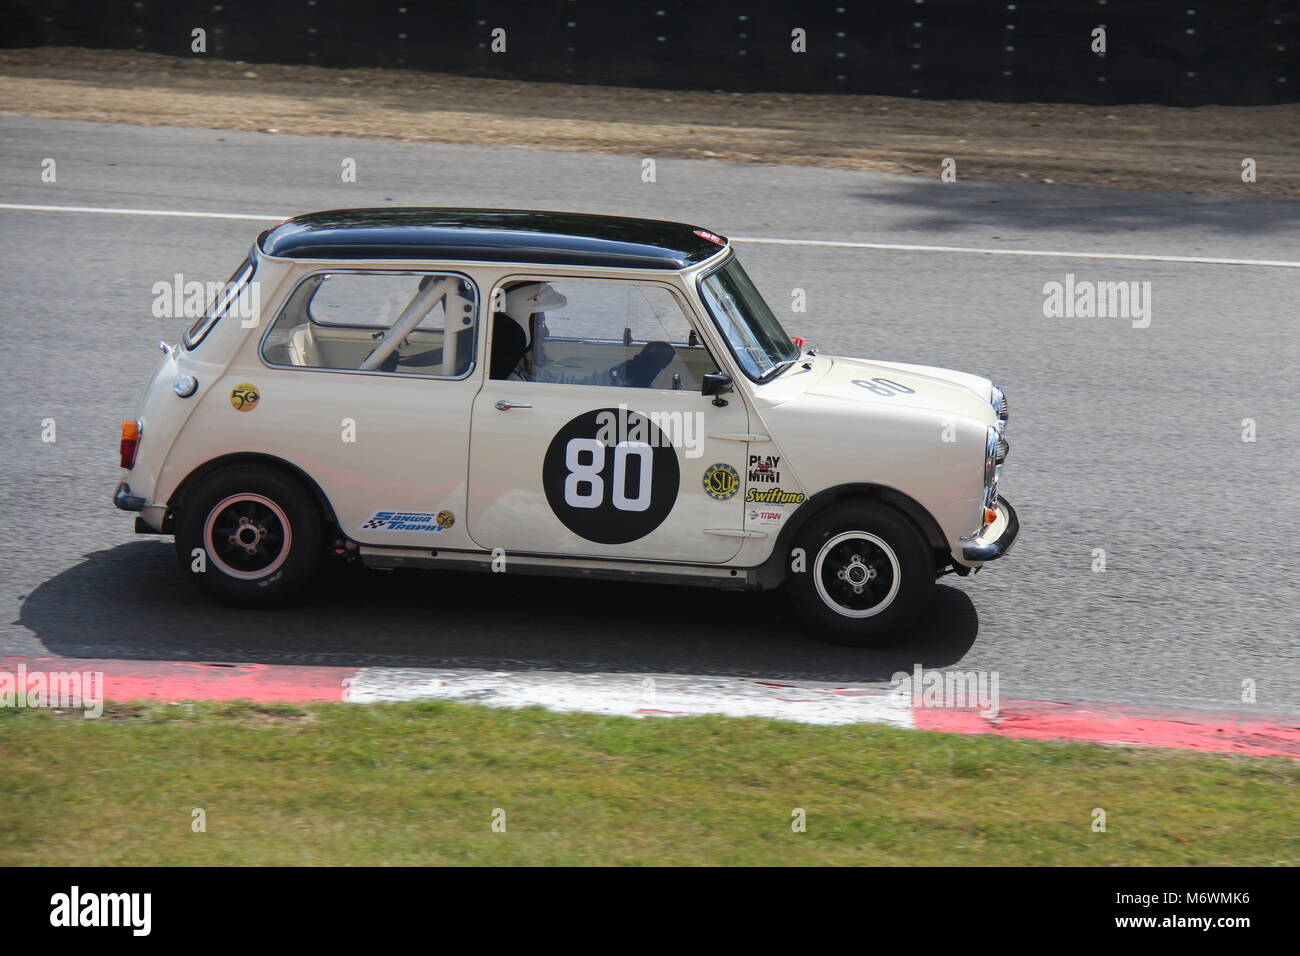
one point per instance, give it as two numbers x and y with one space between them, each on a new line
553 393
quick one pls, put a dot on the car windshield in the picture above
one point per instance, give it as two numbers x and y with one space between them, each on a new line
756 338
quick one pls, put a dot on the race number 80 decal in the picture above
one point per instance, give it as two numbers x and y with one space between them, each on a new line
610 476
884 386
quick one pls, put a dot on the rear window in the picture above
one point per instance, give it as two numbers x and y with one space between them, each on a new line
235 292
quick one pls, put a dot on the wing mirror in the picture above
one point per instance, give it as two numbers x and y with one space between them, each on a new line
716 384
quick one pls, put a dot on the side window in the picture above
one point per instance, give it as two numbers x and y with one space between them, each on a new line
238 291
581 332
412 323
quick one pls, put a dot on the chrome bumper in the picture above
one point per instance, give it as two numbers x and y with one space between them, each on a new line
123 498
1002 535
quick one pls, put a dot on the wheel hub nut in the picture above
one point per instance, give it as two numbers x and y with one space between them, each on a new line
248 535
856 574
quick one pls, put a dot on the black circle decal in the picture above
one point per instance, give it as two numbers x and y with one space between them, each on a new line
611 476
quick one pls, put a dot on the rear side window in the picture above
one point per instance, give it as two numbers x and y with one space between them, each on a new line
412 323
238 294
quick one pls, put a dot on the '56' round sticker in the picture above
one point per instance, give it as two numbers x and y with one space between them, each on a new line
244 397
610 476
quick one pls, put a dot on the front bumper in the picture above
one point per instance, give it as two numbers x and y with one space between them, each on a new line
127 501
997 538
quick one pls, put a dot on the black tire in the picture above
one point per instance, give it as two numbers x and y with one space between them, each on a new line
260 531
875 569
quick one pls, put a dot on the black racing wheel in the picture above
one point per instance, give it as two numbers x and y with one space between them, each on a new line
250 536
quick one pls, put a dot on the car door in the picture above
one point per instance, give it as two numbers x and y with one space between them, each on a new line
598 441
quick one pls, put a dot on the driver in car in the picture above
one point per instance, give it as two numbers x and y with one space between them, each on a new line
518 334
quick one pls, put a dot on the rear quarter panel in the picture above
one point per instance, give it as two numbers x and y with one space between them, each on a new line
165 416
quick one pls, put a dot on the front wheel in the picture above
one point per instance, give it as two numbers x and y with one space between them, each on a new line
864 576
248 535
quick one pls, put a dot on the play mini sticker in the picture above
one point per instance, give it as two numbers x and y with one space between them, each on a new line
425 521
244 397
763 469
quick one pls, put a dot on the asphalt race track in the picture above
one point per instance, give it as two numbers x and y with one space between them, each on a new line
1124 439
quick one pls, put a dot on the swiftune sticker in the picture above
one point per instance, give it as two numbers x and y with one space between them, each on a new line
775 496
244 398
721 481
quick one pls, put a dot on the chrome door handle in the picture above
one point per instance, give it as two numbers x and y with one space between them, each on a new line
504 406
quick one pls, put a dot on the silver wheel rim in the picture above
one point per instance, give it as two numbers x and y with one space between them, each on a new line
247 536
857 574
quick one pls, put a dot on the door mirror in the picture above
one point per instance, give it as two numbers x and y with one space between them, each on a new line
716 383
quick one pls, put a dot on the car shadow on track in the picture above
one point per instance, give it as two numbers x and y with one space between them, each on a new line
1027 208
132 602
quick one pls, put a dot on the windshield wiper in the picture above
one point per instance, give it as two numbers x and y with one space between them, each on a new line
778 370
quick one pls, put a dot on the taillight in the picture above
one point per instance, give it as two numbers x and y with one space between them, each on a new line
131 430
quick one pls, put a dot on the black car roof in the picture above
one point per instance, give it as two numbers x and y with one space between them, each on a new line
490 235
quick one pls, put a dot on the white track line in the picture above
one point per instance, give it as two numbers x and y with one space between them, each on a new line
824 243
142 212
1204 260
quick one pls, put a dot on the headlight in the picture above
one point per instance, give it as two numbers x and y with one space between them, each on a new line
992 446
993 449
995 452
998 399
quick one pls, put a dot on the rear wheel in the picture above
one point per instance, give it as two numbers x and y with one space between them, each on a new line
248 535
866 574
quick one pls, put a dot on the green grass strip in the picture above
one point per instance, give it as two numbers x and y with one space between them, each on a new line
418 783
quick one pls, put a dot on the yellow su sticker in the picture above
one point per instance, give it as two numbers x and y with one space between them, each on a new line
721 481
244 398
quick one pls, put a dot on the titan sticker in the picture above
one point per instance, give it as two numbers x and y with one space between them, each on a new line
244 397
721 481
758 516
425 521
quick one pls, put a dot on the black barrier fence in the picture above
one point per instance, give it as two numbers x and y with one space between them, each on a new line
1178 52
